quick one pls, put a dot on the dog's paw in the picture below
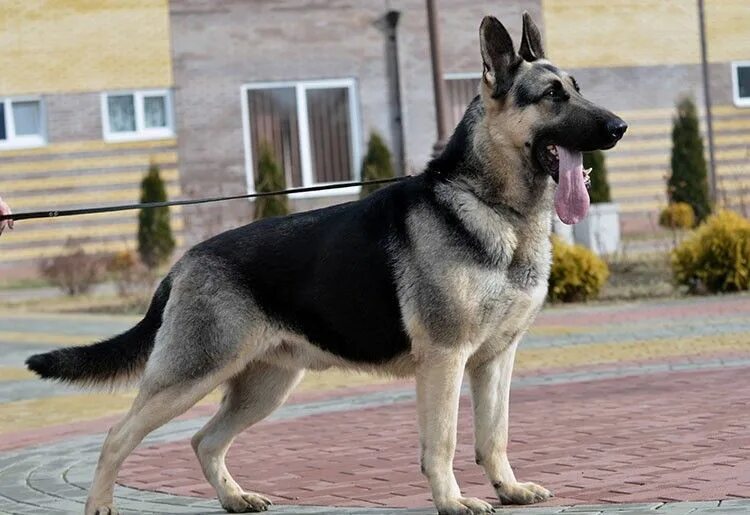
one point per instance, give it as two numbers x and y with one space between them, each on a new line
101 509
464 506
244 502
522 493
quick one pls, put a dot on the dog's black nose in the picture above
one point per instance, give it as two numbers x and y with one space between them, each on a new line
616 128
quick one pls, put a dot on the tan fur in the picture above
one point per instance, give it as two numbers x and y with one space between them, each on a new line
251 396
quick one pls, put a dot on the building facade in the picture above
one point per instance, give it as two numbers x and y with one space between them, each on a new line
201 86
85 105
290 60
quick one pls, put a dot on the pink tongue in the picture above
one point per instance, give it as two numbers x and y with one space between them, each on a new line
571 197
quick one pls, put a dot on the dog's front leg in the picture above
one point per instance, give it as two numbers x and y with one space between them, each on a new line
439 375
490 387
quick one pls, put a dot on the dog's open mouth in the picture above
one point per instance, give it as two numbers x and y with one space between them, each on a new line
566 168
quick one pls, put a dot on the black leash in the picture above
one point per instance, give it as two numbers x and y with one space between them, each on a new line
149 205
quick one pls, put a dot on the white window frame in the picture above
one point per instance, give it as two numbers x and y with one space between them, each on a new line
141 132
462 75
29 141
739 101
301 87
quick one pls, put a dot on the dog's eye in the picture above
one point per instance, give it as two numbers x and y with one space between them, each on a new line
556 92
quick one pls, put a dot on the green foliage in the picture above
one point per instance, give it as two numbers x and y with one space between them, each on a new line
678 215
599 190
377 164
270 178
577 273
155 241
688 182
716 257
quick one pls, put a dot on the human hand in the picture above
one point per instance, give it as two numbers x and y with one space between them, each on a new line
5 210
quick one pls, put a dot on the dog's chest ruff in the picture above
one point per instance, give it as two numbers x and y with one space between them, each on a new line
493 304
517 299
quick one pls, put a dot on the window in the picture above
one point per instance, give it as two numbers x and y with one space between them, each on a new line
461 88
741 83
311 127
137 115
21 123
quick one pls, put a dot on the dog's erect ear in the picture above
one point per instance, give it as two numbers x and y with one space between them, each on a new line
531 40
499 58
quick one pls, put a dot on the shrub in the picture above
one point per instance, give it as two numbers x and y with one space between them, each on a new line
155 241
688 181
678 215
270 178
716 256
74 271
577 273
377 164
132 278
599 189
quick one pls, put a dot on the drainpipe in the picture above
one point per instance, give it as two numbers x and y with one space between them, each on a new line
438 83
707 101
397 123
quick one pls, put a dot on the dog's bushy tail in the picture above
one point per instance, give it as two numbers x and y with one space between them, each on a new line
109 362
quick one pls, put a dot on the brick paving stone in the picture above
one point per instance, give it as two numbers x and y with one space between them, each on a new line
612 404
579 466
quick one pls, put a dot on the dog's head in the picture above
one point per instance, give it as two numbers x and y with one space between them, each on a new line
538 109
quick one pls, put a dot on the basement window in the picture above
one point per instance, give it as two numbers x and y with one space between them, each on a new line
21 123
137 115
741 83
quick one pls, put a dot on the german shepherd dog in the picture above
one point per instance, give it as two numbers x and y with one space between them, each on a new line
434 276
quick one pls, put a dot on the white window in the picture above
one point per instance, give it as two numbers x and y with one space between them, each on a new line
129 115
311 128
741 83
461 88
21 123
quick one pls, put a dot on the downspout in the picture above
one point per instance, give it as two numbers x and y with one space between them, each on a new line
707 101
397 123
438 81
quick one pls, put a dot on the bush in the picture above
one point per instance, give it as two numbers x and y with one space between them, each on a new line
155 241
577 274
75 271
270 178
599 189
377 164
688 182
716 257
678 215
132 278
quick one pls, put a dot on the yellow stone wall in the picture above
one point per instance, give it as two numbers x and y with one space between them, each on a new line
59 46
598 33
728 30
77 174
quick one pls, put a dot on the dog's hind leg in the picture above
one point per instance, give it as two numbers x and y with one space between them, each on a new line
251 396
201 344
152 408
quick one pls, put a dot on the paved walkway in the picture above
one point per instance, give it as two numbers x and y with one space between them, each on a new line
618 409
